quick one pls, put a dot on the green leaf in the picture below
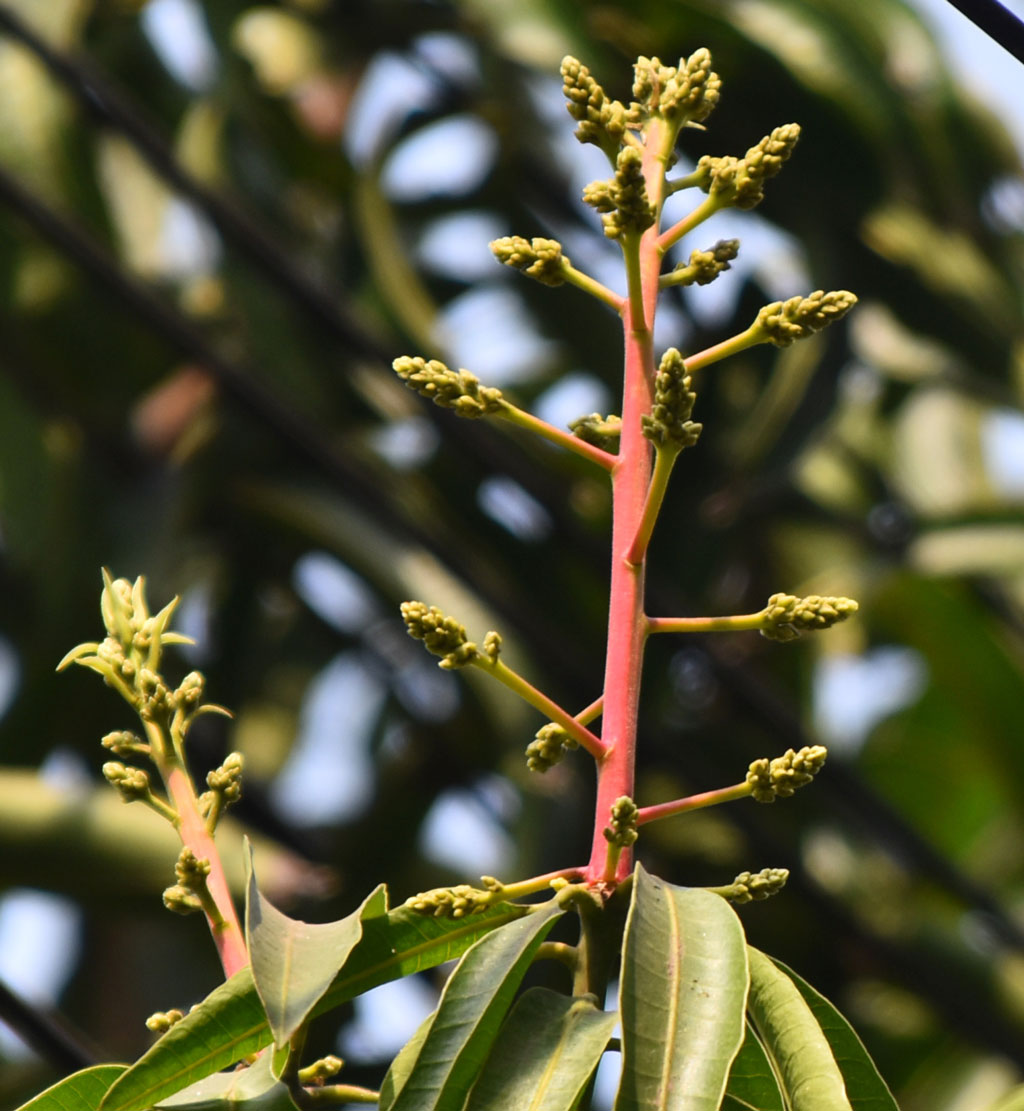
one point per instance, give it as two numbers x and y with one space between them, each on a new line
1012 1101
794 1040
866 1089
545 1053
682 997
752 1082
293 963
401 1067
474 1002
255 1088
81 1091
230 1023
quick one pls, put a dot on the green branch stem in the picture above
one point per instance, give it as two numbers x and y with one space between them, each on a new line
741 623
693 802
592 286
664 460
732 346
551 710
704 211
634 283
523 419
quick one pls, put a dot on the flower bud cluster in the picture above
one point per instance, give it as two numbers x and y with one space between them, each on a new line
787 616
132 784
780 778
704 266
784 322
451 902
622 201
669 421
602 432
161 1021
227 779
549 747
123 742
688 93
749 886
442 635
451 389
739 182
540 259
622 830
602 121
186 896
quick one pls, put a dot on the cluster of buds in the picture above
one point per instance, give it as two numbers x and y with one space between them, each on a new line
748 886
549 747
621 831
739 182
161 1021
602 432
451 902
669 424
540 259
704 266
784 322
786 616
622 201
683 94
224 788
601 120
189 895
781 777
451 389
444 636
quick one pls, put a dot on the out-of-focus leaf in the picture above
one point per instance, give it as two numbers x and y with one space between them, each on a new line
293 963
230 1023
254 1088
474 1002
545 1053
81 1091
682 996
794 1040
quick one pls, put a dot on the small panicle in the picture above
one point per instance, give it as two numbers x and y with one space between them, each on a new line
602 432
623 203
750 886
549 747
786 616
684 95
602 121
621 831
669 424
704 266
739 182
784 322
781 777
451 389
450 902
442 635
540 259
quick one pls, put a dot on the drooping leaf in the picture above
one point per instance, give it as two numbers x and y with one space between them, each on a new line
752 1082
794 1040
864 1086
682 997
230 1023
293 963
255 1089
473 1004
544 1055
81 1091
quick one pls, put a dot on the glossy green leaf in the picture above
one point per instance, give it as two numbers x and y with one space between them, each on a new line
682 997
473 1004
545 1053
753 1085
864 1086
293 963
794 1040
230 1023
81 1091
401 1067
255 1089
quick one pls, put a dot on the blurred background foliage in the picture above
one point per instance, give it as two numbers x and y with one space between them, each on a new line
218 224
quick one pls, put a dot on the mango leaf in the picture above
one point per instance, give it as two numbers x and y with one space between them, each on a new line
81 1091
401 1067
545 1053
752 1083
794 1040
255 1089
293 963
474 1002
230 1023
682 997
864 1086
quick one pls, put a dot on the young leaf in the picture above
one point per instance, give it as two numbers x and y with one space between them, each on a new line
682 997
230 1023
866 1089
752 1082
474 1002
544 1055
293 963
254 1088
81 1091
794 1040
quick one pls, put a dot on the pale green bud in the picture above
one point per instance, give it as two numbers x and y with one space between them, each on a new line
748 886
161 1021
227 779
684 94
180 900
623 201
131 784
787 616
622 830
740 181
602 121
442 635
784 322
540 259
781 777
450 902
548 747
451 389
602 432
669 420
704 266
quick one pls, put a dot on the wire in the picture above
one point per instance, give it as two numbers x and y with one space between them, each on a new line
997 22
